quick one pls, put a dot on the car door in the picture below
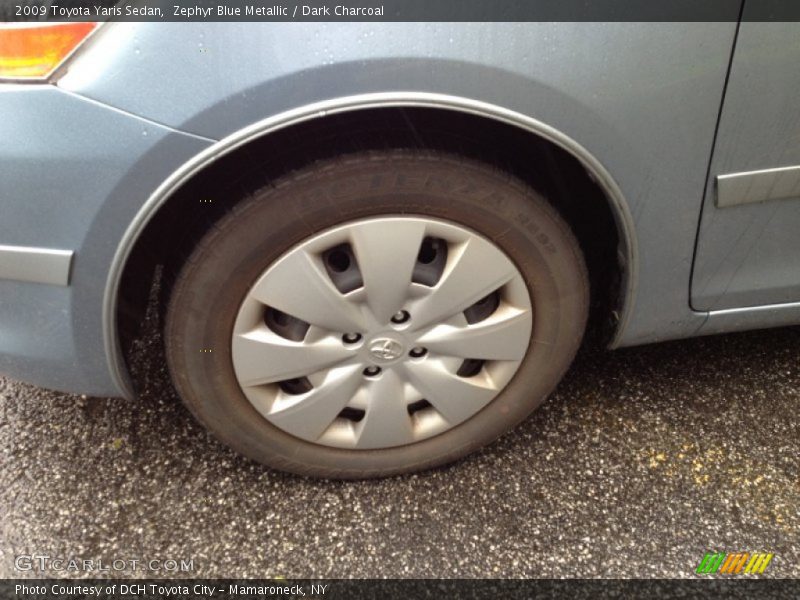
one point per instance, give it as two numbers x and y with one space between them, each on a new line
748 251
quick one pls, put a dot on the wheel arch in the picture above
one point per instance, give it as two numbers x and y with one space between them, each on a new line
155 206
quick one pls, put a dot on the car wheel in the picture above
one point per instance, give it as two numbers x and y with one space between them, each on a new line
375 314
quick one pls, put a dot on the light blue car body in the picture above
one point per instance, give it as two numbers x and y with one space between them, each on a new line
656 112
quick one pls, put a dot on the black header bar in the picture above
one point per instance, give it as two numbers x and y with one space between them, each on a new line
400 10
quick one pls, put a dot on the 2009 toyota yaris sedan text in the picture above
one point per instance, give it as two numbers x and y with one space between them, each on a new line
378 247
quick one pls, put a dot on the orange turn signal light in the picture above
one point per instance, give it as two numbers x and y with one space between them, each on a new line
34 50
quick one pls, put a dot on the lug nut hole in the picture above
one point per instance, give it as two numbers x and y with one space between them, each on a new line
351 338
372 371
417 352
401 317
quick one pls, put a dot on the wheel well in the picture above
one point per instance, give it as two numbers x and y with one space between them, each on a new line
199 202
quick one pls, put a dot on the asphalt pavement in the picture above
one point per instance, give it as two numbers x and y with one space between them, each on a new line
643 460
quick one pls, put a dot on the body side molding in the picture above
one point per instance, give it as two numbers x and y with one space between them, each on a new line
750 187
728 320
36 265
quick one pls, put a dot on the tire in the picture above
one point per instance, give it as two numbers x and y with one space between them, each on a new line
241 260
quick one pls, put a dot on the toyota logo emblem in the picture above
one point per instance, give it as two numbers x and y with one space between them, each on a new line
386 349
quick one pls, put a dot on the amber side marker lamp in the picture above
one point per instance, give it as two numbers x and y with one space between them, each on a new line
34 50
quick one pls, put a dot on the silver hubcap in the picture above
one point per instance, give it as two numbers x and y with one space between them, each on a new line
381 332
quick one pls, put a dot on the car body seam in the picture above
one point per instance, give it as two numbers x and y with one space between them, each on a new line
135 116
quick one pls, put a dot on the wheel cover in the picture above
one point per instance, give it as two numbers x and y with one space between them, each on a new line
381 332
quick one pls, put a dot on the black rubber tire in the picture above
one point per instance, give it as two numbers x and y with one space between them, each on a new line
261 227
